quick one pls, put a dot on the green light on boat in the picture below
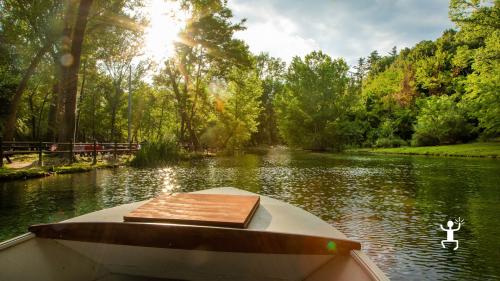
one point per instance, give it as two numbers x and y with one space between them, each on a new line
331 246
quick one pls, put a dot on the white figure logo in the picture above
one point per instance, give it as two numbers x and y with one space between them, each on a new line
450 232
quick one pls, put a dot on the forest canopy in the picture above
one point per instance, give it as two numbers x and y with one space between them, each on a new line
70 69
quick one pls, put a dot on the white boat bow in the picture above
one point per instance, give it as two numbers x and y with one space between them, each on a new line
282 242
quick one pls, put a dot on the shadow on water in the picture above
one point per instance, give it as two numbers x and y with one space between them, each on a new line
392 204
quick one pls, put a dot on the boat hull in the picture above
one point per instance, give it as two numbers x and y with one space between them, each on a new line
33 258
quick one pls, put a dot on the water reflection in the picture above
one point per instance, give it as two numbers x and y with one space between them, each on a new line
392 204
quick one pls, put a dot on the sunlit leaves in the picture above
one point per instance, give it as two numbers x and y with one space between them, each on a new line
313 110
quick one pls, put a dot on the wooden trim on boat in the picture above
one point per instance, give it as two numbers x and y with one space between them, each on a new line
16 240
368 266
190 237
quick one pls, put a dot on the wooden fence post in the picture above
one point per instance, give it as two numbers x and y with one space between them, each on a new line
40 156
1 152
71 151
94 153
114 152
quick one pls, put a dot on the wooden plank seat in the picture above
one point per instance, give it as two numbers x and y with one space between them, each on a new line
198 209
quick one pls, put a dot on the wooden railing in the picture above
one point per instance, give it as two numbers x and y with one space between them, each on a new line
9 148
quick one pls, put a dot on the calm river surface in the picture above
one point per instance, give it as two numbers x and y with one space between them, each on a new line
392 204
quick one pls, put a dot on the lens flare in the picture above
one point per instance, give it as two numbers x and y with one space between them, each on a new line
331 246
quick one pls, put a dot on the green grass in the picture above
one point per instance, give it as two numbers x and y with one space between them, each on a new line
7 173
13 174
477 149
80 167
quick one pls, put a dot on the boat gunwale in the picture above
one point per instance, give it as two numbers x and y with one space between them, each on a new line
16 240
368 266
191 237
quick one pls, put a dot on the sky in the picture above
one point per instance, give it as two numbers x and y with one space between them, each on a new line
341 28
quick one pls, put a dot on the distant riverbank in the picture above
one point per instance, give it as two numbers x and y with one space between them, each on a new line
478 149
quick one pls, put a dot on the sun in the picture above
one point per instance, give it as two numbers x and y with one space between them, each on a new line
165 22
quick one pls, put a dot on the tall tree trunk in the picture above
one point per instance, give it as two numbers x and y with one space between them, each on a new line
56 107
70 85
32 116
39 132
113 121
10 121
62 61
80 100
180 104
52 118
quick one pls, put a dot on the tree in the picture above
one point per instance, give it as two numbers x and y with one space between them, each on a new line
120 49
394 52
237 109
483 87
271 73
313 109
479 23
441 121
372 61
206 53
434 72
71 67
360 73
33 23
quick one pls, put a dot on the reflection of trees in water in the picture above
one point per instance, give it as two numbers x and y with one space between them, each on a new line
466 188
483 211
392 204
35 201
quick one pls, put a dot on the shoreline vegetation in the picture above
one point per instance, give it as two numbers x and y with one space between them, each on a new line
27 167
17 171
151 155
477 149
213 94
40 172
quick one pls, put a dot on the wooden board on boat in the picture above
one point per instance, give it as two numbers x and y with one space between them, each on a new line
197 209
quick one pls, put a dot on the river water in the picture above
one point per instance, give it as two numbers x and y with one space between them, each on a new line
392 204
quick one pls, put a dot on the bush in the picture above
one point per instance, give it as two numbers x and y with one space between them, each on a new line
157 153
441 121
390 142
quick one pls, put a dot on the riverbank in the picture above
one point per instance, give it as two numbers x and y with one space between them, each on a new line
477 149
25 167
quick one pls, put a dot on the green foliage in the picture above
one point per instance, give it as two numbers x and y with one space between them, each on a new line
441 121
461 68
387 135
271 72
389 98
483 87
157 153
390 142
433 73
237 109
313 110
204 59
478 149
213 93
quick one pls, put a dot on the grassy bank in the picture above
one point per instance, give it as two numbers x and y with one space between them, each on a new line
26 166
164 152
13 174
478 149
